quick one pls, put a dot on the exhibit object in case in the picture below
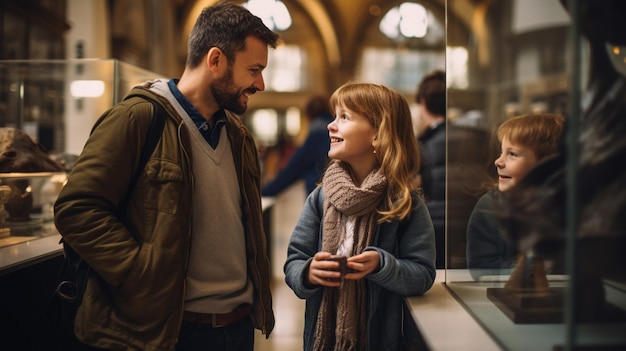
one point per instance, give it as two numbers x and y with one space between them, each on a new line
56 103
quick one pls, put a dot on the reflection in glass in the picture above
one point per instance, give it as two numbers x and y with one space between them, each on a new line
521 60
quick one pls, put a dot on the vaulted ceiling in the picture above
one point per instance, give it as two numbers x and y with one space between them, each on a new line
334 32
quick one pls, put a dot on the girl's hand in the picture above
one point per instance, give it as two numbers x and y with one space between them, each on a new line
324 272
361 265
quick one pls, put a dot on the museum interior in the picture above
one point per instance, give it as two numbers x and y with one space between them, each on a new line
64 62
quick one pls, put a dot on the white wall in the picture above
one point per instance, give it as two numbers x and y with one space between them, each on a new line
89 26
530 15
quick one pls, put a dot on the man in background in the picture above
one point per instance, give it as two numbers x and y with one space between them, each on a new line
431 100
309 160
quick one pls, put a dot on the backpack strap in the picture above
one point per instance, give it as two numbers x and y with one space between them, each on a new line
75 271
153 137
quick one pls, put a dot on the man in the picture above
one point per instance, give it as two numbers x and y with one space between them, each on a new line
197 276
431 99
309 161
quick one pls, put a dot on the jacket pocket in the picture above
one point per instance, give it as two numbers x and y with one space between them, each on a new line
163 186
152 290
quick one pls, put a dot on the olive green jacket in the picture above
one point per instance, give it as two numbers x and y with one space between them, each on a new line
135 301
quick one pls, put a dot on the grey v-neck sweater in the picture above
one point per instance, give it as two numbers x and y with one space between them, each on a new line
217 279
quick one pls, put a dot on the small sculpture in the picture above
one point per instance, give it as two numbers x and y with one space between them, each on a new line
5 192
19 153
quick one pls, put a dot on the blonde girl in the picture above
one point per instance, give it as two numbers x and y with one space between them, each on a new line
368 212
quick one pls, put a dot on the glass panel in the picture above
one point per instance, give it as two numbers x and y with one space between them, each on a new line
502 69
36 99
539 289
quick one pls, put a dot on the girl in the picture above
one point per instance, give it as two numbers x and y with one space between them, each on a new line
367 209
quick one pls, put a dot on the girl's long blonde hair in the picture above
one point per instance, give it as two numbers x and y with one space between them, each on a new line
396 150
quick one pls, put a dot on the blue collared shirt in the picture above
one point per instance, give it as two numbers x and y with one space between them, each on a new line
210 134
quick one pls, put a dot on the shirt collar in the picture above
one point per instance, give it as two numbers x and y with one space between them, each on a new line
219 117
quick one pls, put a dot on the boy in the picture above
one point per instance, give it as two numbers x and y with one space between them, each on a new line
525 141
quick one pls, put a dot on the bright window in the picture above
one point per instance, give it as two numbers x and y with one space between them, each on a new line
401 70
285 70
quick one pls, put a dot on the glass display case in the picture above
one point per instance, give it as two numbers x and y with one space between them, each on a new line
565 288
55 103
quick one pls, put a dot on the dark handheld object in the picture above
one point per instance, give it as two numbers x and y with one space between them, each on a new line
343 263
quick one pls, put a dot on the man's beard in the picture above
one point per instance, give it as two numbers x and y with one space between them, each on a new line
227 96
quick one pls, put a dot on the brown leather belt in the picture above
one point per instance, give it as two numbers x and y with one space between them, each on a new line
218 319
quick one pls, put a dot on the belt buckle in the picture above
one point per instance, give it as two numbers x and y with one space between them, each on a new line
214 321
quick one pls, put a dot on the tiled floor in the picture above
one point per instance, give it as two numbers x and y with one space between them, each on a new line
289 313
288 309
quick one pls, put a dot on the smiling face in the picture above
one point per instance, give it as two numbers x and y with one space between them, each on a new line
514 162
351 140
242 78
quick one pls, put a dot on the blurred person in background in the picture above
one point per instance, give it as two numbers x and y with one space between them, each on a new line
431 100
310 159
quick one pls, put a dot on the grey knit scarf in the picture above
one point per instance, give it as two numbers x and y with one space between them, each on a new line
342 318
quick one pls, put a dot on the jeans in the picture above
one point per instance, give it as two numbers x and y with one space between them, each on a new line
234 337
